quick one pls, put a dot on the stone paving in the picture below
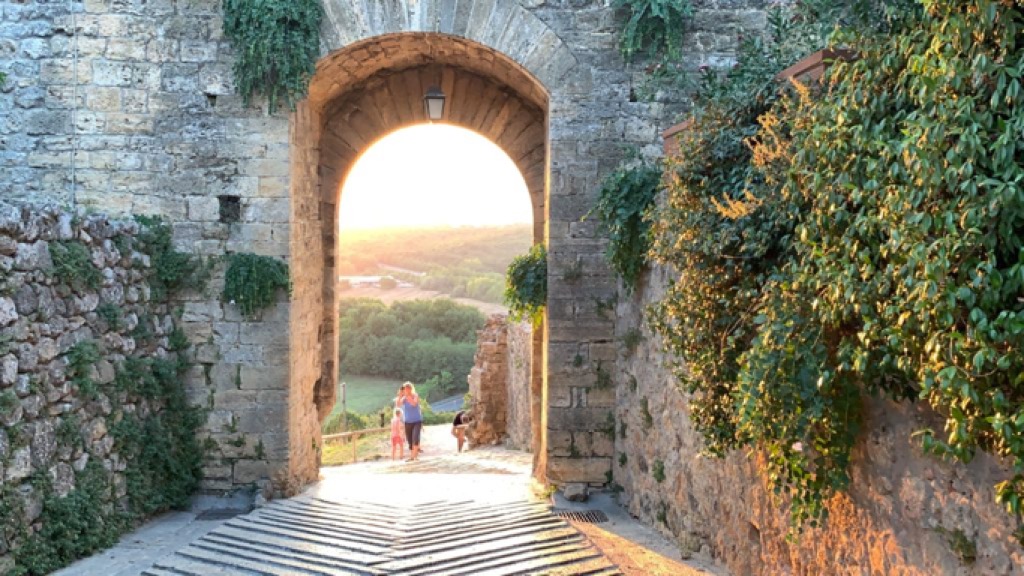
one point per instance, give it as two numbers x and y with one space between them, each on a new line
477 512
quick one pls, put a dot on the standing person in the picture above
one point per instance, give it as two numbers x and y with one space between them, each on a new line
459 425
410 404
396 435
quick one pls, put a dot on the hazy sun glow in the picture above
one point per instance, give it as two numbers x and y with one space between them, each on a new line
433 175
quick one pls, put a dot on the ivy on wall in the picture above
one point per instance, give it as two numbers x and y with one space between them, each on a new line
625 197
252 282
152 424
526 285
864 239
653 27
277 43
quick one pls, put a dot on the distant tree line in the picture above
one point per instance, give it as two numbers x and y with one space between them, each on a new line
461 262
411 340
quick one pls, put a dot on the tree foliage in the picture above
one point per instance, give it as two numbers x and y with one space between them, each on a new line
467 262
412 340
277 43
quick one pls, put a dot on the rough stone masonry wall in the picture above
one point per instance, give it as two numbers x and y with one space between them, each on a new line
520 370
48 428
905 513
140 95
499 384
488 383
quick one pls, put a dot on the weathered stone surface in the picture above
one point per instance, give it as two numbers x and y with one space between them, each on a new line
576 492
33 256
8 311
249 471
885 524
19 466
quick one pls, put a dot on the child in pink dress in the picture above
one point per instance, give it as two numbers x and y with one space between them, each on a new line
397 428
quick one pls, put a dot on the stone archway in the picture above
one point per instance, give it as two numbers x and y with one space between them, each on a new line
495 61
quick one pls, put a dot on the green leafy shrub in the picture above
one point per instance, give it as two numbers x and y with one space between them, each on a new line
277 44
625 198
72 265
352 420
72 526
526 285
252 282
862 239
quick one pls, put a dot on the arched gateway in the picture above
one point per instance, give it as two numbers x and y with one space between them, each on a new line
139 115
499 66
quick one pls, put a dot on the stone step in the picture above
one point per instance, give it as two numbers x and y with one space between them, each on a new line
315 537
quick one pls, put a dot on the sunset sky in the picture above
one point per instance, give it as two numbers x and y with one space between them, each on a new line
433 175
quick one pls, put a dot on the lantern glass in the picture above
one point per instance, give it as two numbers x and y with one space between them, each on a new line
433 104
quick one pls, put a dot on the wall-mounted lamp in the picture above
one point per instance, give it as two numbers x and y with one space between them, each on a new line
433 104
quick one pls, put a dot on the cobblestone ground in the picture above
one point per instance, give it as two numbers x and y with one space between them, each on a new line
477 512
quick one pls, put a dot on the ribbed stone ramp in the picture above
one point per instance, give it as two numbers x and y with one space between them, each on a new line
309 535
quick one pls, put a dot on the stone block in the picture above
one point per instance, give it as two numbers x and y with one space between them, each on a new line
264 377
259 417
562 471
203 209
264 332
577 419
234 400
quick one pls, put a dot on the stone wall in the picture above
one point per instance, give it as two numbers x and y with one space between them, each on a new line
499 384
906 513
488 384
519 356
51 426
128 107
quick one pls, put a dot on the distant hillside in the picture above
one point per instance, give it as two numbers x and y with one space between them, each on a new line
462 262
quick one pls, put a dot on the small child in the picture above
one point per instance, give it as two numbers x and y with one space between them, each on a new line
397 430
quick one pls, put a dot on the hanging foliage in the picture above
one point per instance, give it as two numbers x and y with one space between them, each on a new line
625 198
526 285
277 43
653 27
252 282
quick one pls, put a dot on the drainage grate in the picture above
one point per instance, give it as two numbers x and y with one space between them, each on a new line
587 516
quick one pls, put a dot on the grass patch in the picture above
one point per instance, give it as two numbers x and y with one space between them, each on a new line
369 447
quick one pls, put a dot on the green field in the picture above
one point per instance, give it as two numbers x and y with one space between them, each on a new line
366 394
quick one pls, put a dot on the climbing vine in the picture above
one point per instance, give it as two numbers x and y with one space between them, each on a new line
153 427
252 282
625 198
526 285
170 270
277 44
653 27
72 265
